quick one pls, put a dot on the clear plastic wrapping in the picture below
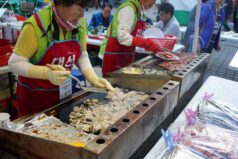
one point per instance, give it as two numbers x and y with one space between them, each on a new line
211 141
180 152
211 132
212 112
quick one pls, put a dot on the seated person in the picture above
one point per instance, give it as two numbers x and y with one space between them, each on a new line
168 24
103 18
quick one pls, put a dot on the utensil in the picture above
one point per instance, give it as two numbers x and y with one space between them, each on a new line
167 50
162 55
132 70
89 89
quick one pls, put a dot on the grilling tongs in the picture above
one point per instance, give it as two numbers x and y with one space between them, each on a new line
89 89
79 85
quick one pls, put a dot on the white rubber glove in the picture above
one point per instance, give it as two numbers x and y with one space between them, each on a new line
96 81
20 65
56 74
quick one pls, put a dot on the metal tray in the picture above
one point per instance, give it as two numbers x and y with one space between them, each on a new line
190 78
120 140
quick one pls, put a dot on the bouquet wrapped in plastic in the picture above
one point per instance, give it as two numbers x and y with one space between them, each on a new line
180 152
212 112
212 129
175 149
211 141
211 132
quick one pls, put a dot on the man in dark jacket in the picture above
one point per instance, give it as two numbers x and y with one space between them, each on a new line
211 19
228 6
235 17
103 18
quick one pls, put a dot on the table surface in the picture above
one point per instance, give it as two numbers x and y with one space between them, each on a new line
177 47
234 63
94 41
14 25
224 35
227 37
225 91
4 69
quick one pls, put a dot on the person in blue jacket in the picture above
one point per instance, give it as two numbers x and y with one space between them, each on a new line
211 19
103 18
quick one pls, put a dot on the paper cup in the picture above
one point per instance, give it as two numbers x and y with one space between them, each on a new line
4 119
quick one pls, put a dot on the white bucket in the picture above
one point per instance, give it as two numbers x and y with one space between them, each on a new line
4 119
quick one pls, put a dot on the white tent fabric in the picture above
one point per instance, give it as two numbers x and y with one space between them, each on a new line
196 32
187 5
183 5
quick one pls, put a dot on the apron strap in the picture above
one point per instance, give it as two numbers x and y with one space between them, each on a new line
137 9
38 21
74 33
41 26
110 29
56 34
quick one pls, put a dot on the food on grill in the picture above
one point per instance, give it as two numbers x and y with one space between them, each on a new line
149 71
132 70
87 120
144 70
167 56
94 116
180 64
188 57
173 65
51 128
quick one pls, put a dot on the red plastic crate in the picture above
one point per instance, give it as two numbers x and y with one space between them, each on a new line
20 18
4 59
167 42
5 51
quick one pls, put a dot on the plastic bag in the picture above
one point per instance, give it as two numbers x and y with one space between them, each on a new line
174 149
180 152
213 112
211 141
212 130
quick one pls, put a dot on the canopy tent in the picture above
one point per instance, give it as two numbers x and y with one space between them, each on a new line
196 31
182 9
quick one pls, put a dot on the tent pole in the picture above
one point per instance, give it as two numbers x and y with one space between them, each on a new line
196 32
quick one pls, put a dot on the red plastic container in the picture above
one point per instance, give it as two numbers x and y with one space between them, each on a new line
20 18
5 51
167 42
